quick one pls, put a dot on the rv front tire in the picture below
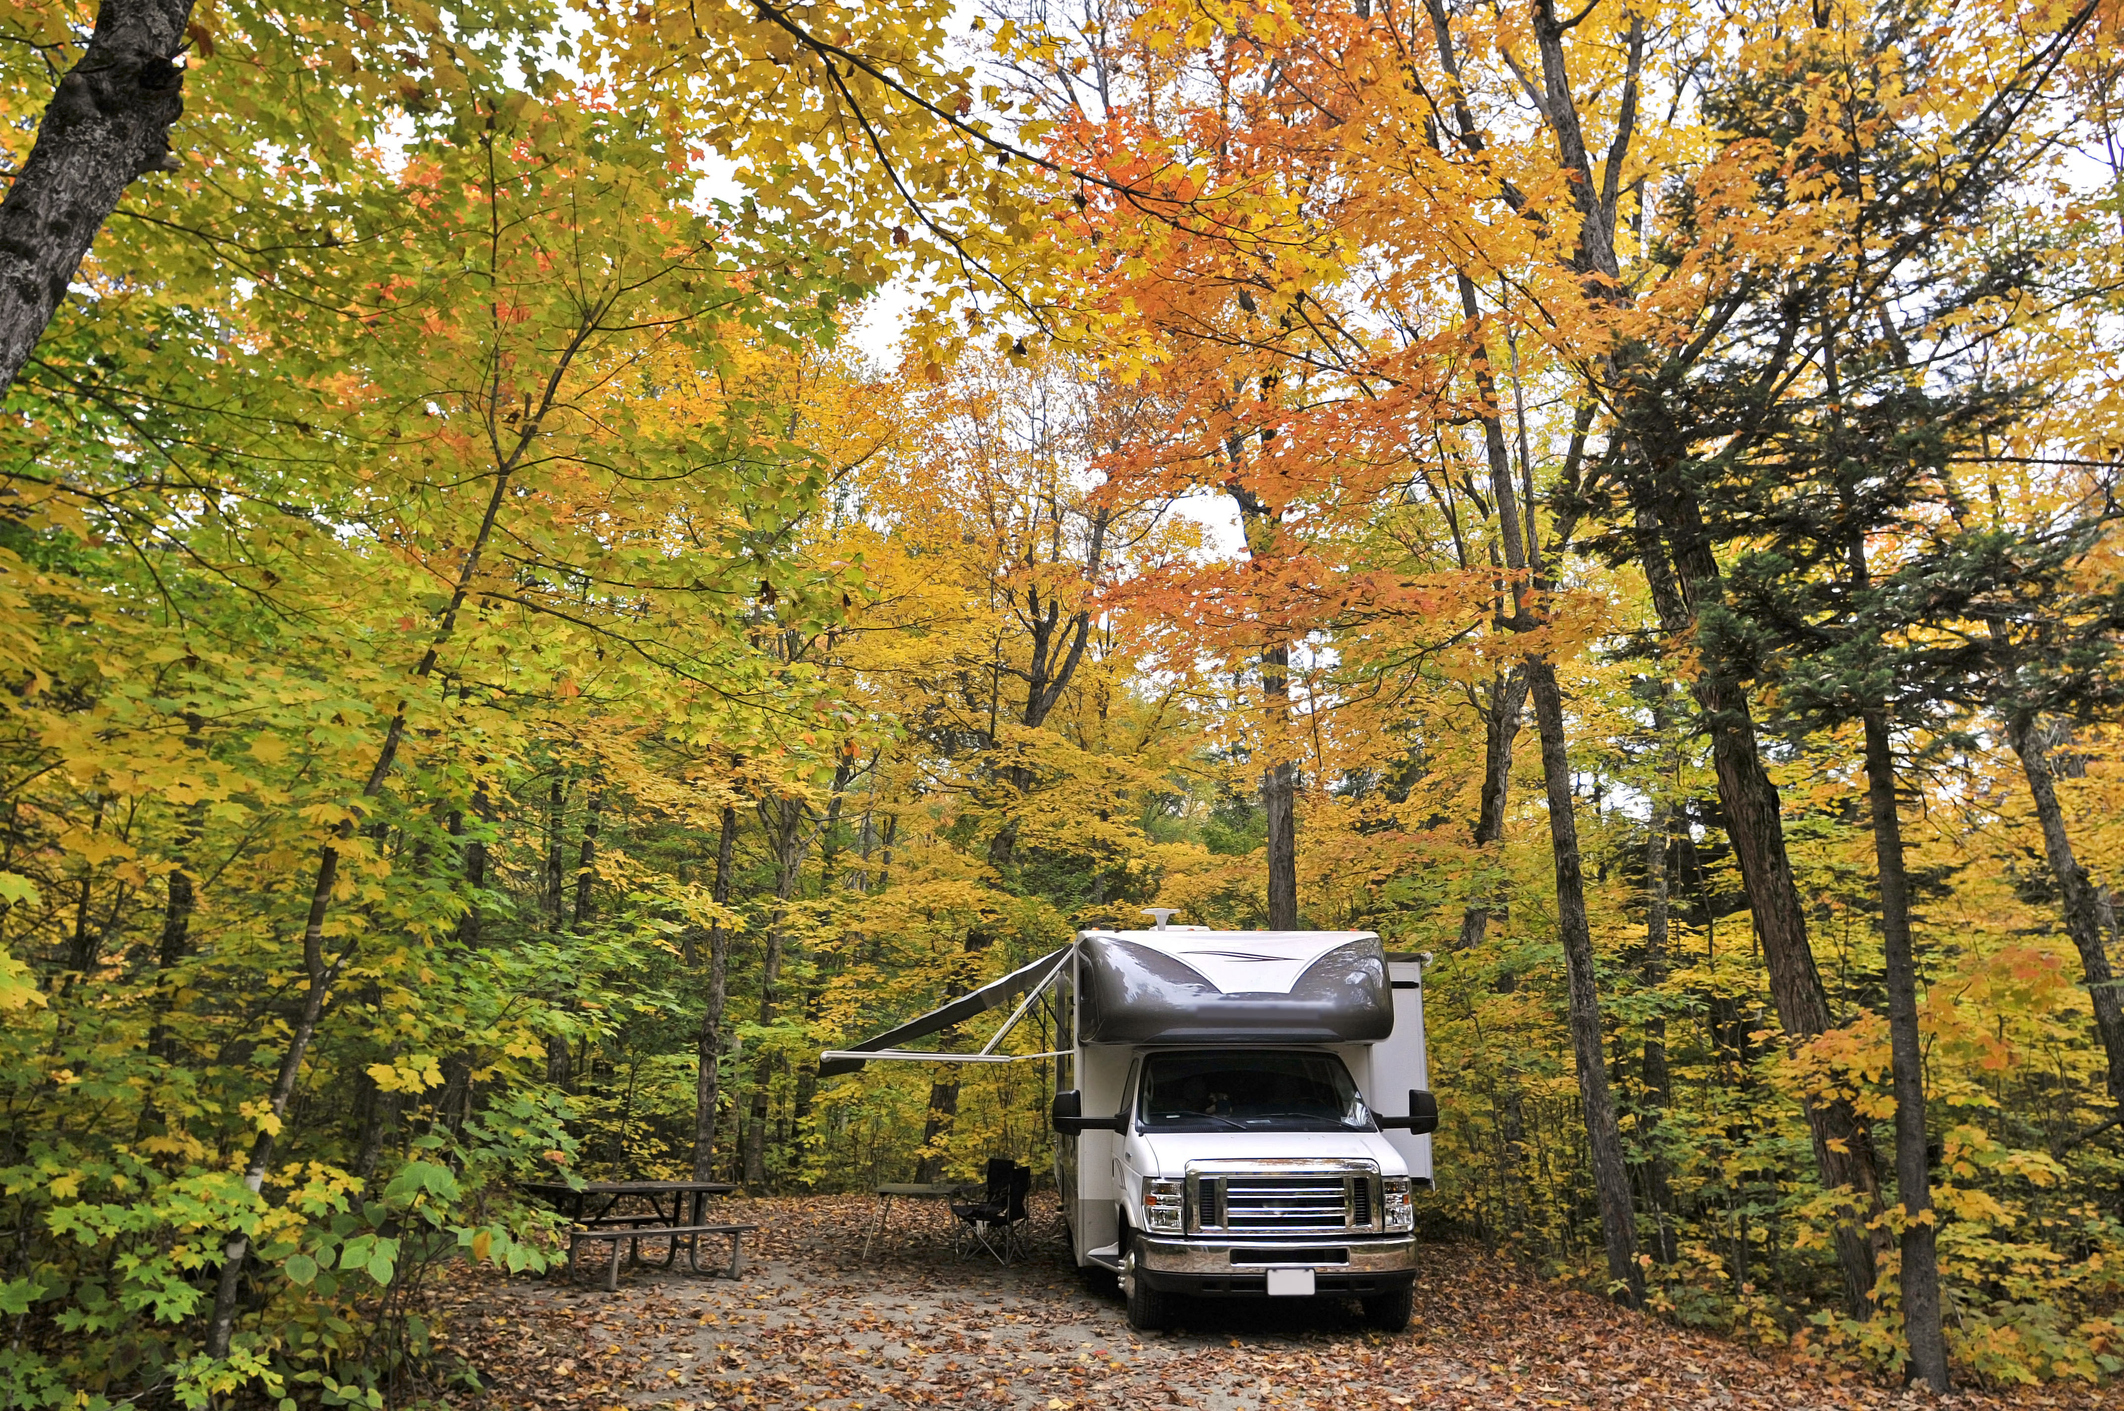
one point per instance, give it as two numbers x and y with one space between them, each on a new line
1149 1311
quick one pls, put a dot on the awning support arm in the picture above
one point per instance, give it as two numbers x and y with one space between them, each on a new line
1031 998
987 997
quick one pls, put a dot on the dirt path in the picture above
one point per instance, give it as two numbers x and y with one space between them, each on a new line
811 1326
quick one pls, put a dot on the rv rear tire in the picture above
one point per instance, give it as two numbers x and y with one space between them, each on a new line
1389 1312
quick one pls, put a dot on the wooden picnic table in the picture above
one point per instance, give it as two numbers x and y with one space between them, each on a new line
594 1205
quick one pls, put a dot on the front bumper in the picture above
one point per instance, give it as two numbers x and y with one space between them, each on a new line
1355 1268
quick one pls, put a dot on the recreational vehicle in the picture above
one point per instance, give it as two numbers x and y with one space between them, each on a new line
1238 1113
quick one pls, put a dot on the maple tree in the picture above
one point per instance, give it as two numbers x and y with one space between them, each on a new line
1358 155
368 477
496 685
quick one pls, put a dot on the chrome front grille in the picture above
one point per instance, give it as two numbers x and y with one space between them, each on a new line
1276 1203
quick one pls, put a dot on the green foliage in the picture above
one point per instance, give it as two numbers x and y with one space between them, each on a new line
436 524
349 509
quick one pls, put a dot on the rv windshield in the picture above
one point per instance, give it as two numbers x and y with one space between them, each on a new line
1258 1090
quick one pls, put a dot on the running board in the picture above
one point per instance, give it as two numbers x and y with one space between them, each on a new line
1107 1257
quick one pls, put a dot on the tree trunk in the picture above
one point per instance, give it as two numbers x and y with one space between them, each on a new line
221 1324
1524 559
784 817
710 1042
1057 648
1843 1148
177 913
585 869
1500 726
475 873
2077 894
807 1074
1658 1184
1279 792
454 1103
943 1111
379 1114
844 771
556 870
1279 776
107 124
1611 1176
1921 1269
560 1061
175 940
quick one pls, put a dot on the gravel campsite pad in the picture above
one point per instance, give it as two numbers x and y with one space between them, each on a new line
812 1325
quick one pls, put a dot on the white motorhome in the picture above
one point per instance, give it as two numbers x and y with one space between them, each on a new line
1239 1113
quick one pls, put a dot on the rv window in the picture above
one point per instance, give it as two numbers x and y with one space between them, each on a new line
1250 1090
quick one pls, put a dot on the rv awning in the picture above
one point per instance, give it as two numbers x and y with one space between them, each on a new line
887 1044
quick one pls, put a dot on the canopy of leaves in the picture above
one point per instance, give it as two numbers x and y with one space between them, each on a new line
459 471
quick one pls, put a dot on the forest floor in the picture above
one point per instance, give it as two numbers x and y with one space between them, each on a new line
813 1325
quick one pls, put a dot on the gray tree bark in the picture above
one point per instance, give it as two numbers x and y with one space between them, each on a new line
944 1089
1611 1175
1682 587
475 872
586 860
1279 793
784 818
1659 1193
560 1060
710 1040
1057 649
1913 1176
108 123
1279 776
1500 725
2077 894
177 911
1523 557
1842 1148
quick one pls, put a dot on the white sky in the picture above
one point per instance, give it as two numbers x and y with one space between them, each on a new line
876 333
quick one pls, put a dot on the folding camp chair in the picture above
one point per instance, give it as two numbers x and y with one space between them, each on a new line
994 1222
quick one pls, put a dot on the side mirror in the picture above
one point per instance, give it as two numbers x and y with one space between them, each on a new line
1422 1118
1067 1116
1423 1112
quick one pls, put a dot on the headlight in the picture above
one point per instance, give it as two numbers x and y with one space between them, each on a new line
1400 1214
1161 1206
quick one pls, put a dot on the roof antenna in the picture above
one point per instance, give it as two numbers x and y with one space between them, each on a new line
1161 912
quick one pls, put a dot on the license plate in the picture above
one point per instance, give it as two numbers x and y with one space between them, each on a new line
1290 1283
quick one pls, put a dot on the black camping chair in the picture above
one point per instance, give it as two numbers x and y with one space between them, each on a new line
995 1222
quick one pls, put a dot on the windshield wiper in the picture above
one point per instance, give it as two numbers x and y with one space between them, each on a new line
1301 1116
1212 1116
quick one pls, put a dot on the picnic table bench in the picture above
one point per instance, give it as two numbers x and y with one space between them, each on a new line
594 1206
691 1234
